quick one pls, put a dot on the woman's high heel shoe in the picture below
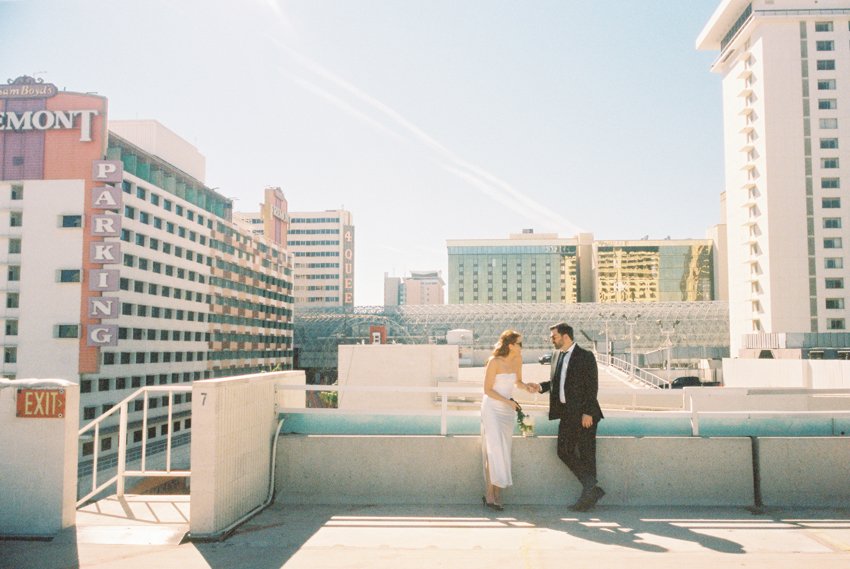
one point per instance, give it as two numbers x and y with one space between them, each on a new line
491 505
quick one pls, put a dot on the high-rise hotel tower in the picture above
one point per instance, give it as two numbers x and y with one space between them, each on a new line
786 116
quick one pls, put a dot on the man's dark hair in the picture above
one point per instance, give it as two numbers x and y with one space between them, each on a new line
563 328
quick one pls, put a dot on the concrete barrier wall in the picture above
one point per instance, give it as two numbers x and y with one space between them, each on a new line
38 469
448 470
233 422
762 399
809 374
812 471
378 365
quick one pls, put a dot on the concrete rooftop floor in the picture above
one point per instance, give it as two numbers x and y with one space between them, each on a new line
145 531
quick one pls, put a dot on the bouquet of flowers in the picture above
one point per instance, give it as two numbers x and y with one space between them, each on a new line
525 422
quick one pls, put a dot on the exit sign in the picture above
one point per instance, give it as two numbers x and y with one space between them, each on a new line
41 403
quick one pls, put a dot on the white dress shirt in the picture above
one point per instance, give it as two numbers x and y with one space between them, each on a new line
564 365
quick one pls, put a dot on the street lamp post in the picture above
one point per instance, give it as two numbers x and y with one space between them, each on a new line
668 343
630 322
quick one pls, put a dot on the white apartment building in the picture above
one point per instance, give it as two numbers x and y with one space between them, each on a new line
122 269
321 244
421 287
785 66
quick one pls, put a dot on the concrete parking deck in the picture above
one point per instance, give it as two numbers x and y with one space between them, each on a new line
466 537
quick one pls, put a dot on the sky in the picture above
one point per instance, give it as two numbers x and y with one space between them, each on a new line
429 120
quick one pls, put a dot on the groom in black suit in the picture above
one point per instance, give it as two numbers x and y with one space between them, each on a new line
572 391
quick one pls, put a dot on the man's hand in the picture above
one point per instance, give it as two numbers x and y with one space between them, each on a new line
586 421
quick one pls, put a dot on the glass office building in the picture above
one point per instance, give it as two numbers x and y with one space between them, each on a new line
646 271
529 268
525 268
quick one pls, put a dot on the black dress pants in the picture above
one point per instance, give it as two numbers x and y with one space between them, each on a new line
577 448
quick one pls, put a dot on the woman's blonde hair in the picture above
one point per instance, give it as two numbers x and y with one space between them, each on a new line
503 346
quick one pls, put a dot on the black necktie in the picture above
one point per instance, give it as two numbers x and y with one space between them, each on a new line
558 369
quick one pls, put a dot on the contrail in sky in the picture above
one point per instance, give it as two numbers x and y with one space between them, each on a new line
489 184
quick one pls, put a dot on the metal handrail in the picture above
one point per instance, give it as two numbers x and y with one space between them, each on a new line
122 409
693 413
645 377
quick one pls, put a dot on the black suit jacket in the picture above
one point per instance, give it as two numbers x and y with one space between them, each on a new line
580 391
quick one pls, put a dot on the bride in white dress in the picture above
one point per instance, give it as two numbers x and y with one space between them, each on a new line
498 414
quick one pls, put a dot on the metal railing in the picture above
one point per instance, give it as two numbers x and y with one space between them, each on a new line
691 412
122 409
442 395
641 375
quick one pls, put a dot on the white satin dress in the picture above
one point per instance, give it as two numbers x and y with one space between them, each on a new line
497 429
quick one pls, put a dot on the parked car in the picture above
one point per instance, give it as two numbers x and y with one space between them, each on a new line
691 381
545 359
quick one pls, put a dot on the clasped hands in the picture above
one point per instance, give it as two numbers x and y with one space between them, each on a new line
532 387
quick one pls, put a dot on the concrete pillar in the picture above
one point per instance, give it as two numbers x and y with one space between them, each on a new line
39 420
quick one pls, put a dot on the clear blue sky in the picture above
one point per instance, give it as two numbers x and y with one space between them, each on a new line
429 120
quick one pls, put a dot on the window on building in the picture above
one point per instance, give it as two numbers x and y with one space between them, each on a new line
835 303
13 273
89 413
137 436
826 84
11 327
823 26
17 192
829 163
826 65
14 246
827 104
67 331
88 448
835 323
10 354
833 263
832 223
71 221
129 212
830 183
828 124
16 218
13 299
827 143
69 275
832 243
834 283
120 383
825 45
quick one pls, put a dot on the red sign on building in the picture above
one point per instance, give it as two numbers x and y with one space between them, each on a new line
41 403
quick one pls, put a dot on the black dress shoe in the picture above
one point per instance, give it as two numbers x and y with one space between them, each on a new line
596 494
588 499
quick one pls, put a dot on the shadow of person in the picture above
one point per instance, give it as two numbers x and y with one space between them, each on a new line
641 529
